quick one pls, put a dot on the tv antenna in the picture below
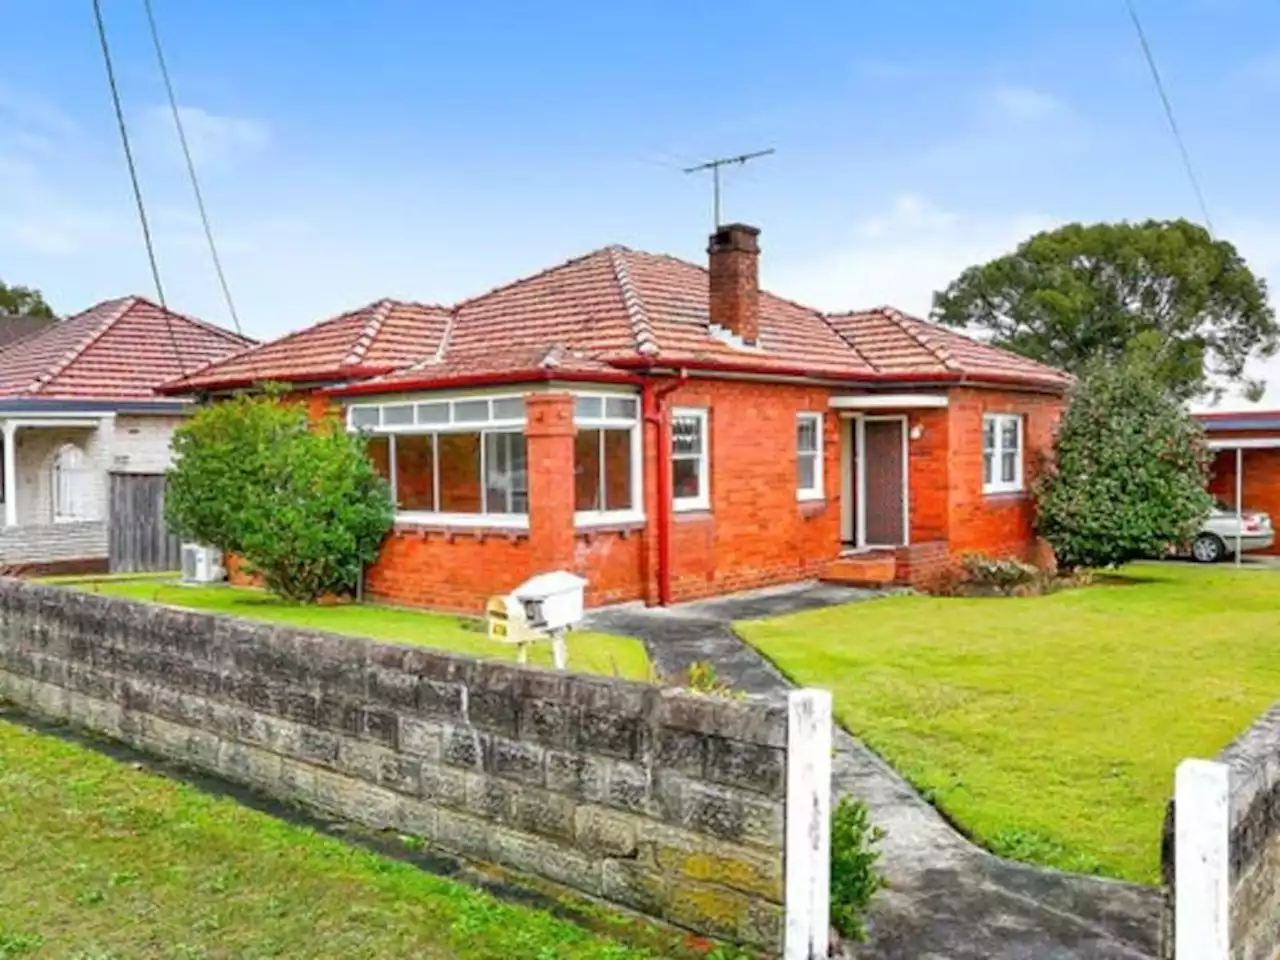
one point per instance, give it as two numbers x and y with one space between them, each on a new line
715 165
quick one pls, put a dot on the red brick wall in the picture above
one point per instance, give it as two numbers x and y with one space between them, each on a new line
928 477
994 524
1261 478
448 571
756 532
613 563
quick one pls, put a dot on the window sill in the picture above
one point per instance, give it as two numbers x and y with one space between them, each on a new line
1006 496
617 520
456 525
812 506
692 515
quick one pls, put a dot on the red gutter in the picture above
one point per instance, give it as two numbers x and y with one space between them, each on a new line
870 378
655 413
481 379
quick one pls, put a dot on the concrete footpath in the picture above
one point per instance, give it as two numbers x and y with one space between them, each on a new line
948 899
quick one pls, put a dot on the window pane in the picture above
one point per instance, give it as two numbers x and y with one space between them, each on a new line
686 435
586 470
378 450
1009 433
508 408
617 470
588 408
622 408
415 480
684 478
471 411
1009 466
397 415
459 455
808 472
988 469
506 474
365 416
988 434
807 435
437 412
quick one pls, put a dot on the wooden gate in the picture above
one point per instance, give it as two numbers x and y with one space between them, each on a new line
138 541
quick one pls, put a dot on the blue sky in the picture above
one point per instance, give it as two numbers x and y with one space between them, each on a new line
352 150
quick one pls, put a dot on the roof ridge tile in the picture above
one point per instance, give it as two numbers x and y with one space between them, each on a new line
364 340
910 326
641 327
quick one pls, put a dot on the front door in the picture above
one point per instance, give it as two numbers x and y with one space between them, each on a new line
884 487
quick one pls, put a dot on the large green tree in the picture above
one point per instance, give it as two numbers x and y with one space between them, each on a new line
1127 477
1167 289
23 302
298 502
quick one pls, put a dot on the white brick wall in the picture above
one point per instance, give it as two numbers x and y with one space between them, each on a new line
141 444
53 542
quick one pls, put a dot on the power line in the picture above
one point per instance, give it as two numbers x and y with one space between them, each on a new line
133 179
191 167
1169 115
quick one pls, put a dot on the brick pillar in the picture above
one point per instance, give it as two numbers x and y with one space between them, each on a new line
550 431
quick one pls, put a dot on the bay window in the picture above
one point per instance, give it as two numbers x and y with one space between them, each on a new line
606 459
452 461
1001 453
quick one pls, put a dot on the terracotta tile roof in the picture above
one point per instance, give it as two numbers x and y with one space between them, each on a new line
518 364
895 343
631 310
118 350
374 339
13 329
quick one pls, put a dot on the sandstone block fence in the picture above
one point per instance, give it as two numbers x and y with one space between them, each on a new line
706 813
1221 849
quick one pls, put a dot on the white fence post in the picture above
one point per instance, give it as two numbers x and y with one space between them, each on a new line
1202 860
808 854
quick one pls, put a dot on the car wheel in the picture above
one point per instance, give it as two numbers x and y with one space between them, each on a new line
1208 548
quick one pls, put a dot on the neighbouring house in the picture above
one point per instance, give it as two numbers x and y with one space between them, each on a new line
77 402
669 431
18 327
1246 462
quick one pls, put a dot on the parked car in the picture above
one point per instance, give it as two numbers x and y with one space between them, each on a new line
1218 536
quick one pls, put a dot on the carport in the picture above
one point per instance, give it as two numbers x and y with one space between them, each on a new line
1246 465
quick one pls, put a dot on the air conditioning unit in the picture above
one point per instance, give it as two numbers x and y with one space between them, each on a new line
201 564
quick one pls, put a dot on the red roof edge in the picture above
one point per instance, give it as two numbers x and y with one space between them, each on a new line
945 378
479 379
174 387
1238 415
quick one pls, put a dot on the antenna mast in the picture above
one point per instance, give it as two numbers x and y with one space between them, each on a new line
715 165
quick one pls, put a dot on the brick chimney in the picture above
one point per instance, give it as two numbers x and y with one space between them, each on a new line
734 252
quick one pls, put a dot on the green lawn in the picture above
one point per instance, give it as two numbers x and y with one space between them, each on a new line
102 860
1050 727
588 652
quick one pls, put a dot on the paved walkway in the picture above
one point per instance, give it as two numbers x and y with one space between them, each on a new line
948 900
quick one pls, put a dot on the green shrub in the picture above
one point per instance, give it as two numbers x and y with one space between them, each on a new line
854 879
1128 473
298 502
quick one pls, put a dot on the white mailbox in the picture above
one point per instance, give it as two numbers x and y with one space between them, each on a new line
552 601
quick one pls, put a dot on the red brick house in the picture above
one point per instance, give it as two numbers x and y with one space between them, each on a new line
669 431
1246 446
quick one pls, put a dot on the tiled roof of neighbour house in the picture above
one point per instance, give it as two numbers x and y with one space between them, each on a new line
118 350
1230 420
13 329
895 343
618 309
371 340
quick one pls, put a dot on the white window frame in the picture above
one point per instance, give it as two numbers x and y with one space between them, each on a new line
450 424
594 518
817 491
71 482
996 484
703 500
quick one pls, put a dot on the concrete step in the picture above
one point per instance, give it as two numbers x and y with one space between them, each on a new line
875 569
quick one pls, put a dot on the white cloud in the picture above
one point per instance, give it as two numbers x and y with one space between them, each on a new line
1021 104
900 256
215 140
